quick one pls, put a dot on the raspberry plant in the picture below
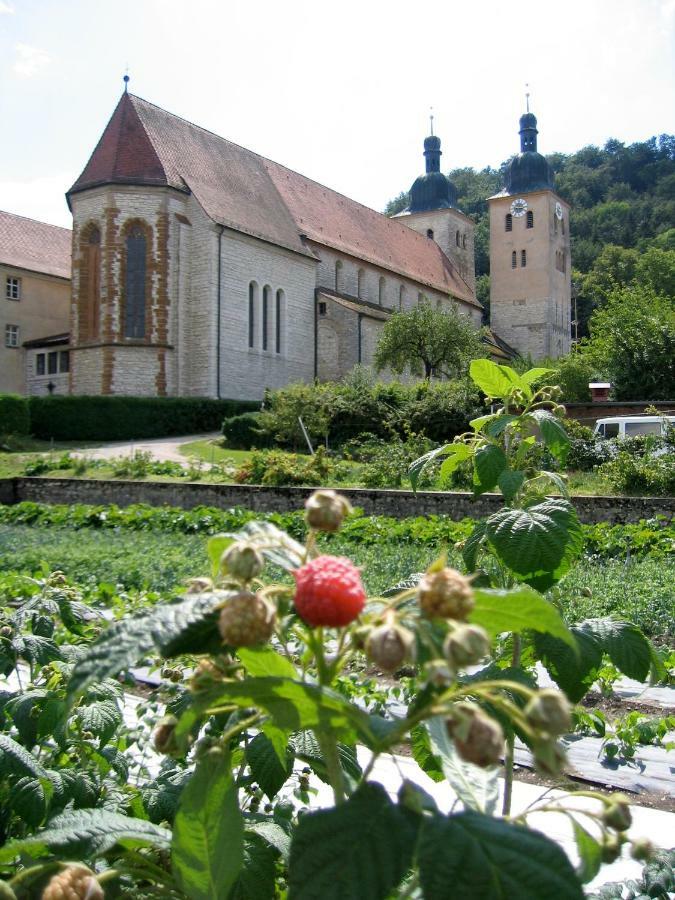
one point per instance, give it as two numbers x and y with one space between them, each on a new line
271 784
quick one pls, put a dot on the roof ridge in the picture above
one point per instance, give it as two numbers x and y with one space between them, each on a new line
6 212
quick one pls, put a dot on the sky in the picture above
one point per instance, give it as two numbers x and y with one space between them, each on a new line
339 91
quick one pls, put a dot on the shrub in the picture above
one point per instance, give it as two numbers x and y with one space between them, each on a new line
67 418
14 416
244 431
275 467
631 474
387 464
442 410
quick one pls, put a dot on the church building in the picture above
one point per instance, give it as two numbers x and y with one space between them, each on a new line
203 269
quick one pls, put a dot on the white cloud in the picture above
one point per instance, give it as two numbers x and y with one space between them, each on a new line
29 60
5 8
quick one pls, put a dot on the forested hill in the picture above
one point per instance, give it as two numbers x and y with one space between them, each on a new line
620 195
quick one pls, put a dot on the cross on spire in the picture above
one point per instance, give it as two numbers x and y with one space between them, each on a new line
527 96
125 79
431 118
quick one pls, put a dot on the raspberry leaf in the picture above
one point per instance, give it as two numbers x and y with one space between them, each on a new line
489 462
471 855
361 848
476 787
516 610
266 767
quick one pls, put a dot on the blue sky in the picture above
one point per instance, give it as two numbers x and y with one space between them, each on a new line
339 91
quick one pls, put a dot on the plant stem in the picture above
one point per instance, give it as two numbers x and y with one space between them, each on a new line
329 751
510 742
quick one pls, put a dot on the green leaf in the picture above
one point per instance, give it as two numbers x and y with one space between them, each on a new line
499 424
489 461
30 799
494 380
477 788
16 760
266 766
261 661
274 544
207 850
472 546
215 547
423 754
590 853
479 423
553 434
273 834
170 629
470 856
457 454
533 375
573 672
87 834
510 483
417 467
625 644
102 718
257 877
516 610
360 849
537 544
308 750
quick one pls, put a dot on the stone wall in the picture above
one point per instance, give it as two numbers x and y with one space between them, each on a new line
269 499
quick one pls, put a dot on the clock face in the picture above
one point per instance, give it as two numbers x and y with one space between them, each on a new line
558 211
519 207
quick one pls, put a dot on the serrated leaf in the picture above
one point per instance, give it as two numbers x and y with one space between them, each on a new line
261 661
87 834
516 610
307 749
574 672
162 796
30 799
537 544
102 718
510 482
476 787
624 643
457 454
553 433
494 380
470 856
36 649
207 850
361 848
257 877
266 767
590 853
489 461
171 629
16 760
274 544
273 834
423 754
405 585
472 545
215 547
417 466
533 375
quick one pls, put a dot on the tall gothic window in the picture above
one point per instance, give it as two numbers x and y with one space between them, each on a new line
252 300
338 276
514 260
380 291
90 284
401 296
278 319
530 219
361 284
457 238
265 314
508 222
523 257
134 313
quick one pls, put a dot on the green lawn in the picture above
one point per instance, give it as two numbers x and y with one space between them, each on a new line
213 451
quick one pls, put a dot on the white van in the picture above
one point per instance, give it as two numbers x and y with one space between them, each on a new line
630 426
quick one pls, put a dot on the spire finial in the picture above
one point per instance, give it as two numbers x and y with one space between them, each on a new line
527 96
431 118
126 79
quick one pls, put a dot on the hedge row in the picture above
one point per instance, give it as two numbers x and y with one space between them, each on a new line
114 418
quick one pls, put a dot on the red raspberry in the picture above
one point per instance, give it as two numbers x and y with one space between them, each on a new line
329 591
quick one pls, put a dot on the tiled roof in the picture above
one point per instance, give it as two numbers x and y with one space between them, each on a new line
35 246
144 144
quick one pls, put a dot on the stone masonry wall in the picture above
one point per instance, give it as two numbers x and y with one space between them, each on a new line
283 499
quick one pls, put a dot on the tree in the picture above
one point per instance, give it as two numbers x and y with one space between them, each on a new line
428 342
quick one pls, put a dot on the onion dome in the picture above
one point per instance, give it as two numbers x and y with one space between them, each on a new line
529 170
433 190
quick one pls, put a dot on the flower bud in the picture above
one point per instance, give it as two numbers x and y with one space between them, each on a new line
164 737
246 619
326 510
616 814
478 738
445 595
611 848
642 849
549 711
389 645
57 578
549 758
465 646
242 561
6 631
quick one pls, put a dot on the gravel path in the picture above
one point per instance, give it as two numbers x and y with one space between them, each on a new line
162 449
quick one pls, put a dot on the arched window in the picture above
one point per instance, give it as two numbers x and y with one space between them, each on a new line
464 241
338 275
361 283
420 297
555 224
562 225
457 241
401 296
134 287
252 303
278 319
90 284
523 258
430 233
380 290
508 222
514 260
530 219
267 290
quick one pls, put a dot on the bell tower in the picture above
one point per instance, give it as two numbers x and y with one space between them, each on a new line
530 267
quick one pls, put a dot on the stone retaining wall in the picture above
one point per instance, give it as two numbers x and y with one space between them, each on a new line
283 499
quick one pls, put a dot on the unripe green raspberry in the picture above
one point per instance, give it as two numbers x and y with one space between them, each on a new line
242 561
389 645
617 815
642 849
445 595
465 646
326 510
549 711
611 848
478 738
246 619
76 882
549 757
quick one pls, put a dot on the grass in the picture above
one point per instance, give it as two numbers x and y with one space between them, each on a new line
214 451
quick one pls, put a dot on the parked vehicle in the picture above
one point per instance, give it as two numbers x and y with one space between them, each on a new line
623 427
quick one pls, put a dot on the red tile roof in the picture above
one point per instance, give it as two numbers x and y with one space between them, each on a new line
36 246
144 144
